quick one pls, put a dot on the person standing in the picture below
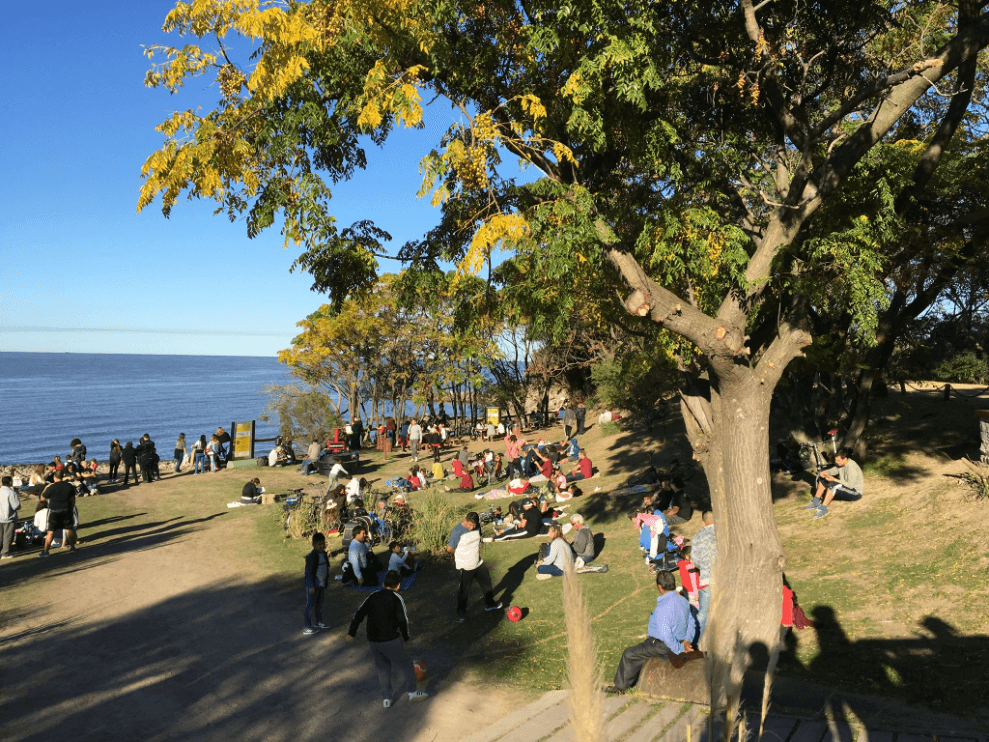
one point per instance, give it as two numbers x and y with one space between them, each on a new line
61 499
465 545
669 627
10 503
415 438
180 451
317 576
581 413
224 439
116 454
357 439
704 555
387 632
129 457
569 420
356 568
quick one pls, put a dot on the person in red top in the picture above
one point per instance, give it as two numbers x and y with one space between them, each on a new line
458 467
547 468
466 482
586 469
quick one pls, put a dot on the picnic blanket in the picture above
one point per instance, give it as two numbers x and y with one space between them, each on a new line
639 489
495 494
407 582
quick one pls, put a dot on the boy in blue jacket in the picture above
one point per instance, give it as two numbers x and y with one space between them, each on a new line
317 577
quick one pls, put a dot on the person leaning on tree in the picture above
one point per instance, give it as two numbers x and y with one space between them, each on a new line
670 624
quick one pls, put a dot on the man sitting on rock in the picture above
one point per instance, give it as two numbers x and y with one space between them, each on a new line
669 626
843 481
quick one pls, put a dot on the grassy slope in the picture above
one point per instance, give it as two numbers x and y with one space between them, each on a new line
895 582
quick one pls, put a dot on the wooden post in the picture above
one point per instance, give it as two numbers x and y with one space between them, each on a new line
947 392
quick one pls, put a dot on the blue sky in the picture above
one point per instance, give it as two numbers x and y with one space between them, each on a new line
81 270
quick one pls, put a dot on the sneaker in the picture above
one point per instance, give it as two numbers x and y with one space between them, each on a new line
44 555
578 563
494 607
322 625
541 576
7 556
814 504
820 512
418 696
386 703
461 617
72 549
614 690
308 631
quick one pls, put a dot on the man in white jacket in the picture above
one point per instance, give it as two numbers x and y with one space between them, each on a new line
465 545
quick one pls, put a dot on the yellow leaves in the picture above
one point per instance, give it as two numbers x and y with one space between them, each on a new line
391 92
507 229
186 62
533 106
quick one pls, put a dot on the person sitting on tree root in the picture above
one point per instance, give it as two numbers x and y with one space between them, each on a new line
843 481
670 624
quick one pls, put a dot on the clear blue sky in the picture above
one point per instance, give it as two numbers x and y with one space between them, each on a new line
81 271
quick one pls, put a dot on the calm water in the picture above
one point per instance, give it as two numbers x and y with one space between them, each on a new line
47 399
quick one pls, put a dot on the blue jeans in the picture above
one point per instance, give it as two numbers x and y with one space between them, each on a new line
314 601
178 461
200 462
549 569
704 598
306 463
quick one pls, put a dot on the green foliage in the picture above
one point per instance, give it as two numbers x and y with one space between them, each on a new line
964 367
303 412
434 515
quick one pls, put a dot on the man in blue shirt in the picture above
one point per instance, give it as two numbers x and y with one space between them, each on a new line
669 626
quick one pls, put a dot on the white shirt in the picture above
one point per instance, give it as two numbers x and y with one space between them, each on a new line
353 489
337 470
273 457
467 555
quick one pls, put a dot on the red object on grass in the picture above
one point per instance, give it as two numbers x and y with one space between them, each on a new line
514 614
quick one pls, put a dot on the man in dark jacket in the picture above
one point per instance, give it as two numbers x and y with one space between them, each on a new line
60 497
387 627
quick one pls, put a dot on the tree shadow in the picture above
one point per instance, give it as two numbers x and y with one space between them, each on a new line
225 661
938 669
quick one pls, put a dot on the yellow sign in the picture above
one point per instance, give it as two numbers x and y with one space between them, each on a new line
493 415
243 440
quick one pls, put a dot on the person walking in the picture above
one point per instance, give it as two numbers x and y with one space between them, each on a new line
465 545
180 451
387 632
10 503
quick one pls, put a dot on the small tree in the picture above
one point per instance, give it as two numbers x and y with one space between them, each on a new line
303 413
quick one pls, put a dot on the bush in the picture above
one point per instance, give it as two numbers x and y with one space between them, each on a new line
964 367
434 518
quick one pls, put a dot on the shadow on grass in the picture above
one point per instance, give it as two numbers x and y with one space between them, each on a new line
938 669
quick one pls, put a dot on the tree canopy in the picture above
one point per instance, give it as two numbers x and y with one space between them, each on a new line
687 156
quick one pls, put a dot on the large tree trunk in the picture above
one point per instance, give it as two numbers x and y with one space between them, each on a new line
747 581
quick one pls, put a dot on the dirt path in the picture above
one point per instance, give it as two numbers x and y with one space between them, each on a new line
155 629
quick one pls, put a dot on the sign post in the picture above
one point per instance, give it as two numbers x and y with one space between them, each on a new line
243 440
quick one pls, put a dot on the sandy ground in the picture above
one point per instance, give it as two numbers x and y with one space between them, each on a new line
154 631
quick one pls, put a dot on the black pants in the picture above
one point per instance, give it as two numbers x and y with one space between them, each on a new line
568 431
114 466
146 472
634 658
128 468
483 577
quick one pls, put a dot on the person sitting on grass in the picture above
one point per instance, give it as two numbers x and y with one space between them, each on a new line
466 482
520 486
357 569
559 559
251 493
439 472
583 541
843 481
674 503
585 469
401 560
527 525
569 492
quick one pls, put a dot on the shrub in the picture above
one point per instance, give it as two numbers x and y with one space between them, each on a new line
964 367
434 517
